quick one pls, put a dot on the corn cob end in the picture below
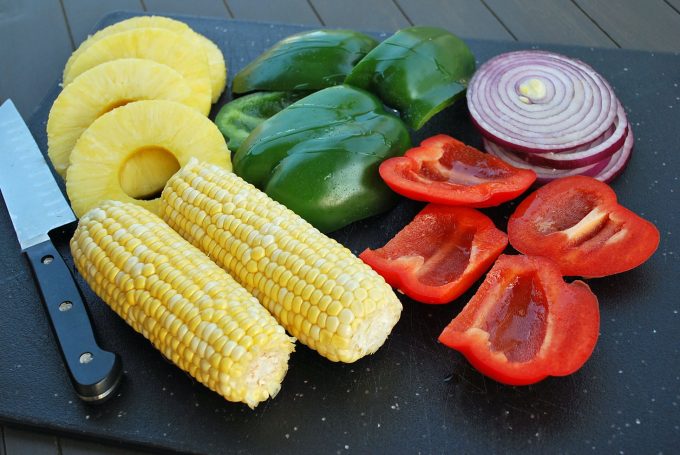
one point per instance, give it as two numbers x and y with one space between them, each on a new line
264 375
372 332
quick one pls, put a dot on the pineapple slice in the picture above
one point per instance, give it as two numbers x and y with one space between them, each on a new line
128 154
157 44
216 64
102 89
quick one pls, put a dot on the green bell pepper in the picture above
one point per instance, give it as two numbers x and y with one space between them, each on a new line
418 71
238 118
305 61
320 156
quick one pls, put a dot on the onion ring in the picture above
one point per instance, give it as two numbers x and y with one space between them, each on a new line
605 170
604 146
543 174
539 102
618 161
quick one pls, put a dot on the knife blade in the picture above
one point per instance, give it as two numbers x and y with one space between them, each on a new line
37 206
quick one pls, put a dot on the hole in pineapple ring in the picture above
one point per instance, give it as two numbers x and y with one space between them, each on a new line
146 171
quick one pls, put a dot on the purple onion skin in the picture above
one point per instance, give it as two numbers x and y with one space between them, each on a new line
616 167
571 163
605 170
606 145
543 174
572 160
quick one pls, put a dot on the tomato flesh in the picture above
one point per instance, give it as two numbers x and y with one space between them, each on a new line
578 223
440 254
525 323
446 171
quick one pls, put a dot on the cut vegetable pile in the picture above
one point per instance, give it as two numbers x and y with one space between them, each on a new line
217 70
133 110
525 322
213 267
550 113
104 88
319 156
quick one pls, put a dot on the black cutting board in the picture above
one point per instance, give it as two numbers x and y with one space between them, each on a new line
413 395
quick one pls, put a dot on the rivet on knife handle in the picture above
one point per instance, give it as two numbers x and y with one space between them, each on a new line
95 373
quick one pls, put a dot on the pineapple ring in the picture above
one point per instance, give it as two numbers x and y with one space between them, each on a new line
103 88
216 63
129 153
157 44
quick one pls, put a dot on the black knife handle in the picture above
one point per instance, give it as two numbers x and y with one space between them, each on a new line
95 373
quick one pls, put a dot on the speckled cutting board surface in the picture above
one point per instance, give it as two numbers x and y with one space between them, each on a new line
413 395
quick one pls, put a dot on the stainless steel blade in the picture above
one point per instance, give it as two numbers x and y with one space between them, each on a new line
34 201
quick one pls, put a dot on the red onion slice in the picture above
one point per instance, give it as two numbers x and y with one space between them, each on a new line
618 161
604 146
605 170
543 174
538 102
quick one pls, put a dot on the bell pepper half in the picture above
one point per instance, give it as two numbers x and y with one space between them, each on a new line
440 254
578 223
525 323
446 171
418 71
305 61
238 118
319 156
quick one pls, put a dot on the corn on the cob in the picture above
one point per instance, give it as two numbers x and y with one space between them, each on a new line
187 306
317 289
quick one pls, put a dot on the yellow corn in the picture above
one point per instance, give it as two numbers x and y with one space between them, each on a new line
188 307
317 289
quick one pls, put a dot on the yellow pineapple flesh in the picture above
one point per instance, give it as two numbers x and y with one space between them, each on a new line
157 44
129 153
216 64
102 89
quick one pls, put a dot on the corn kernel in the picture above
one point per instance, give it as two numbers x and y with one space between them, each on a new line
315 287
189 308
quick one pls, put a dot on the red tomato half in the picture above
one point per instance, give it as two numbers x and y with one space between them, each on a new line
439 254
525 323
446 171
576 222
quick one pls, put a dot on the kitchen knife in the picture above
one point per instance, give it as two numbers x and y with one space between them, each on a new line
36 206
